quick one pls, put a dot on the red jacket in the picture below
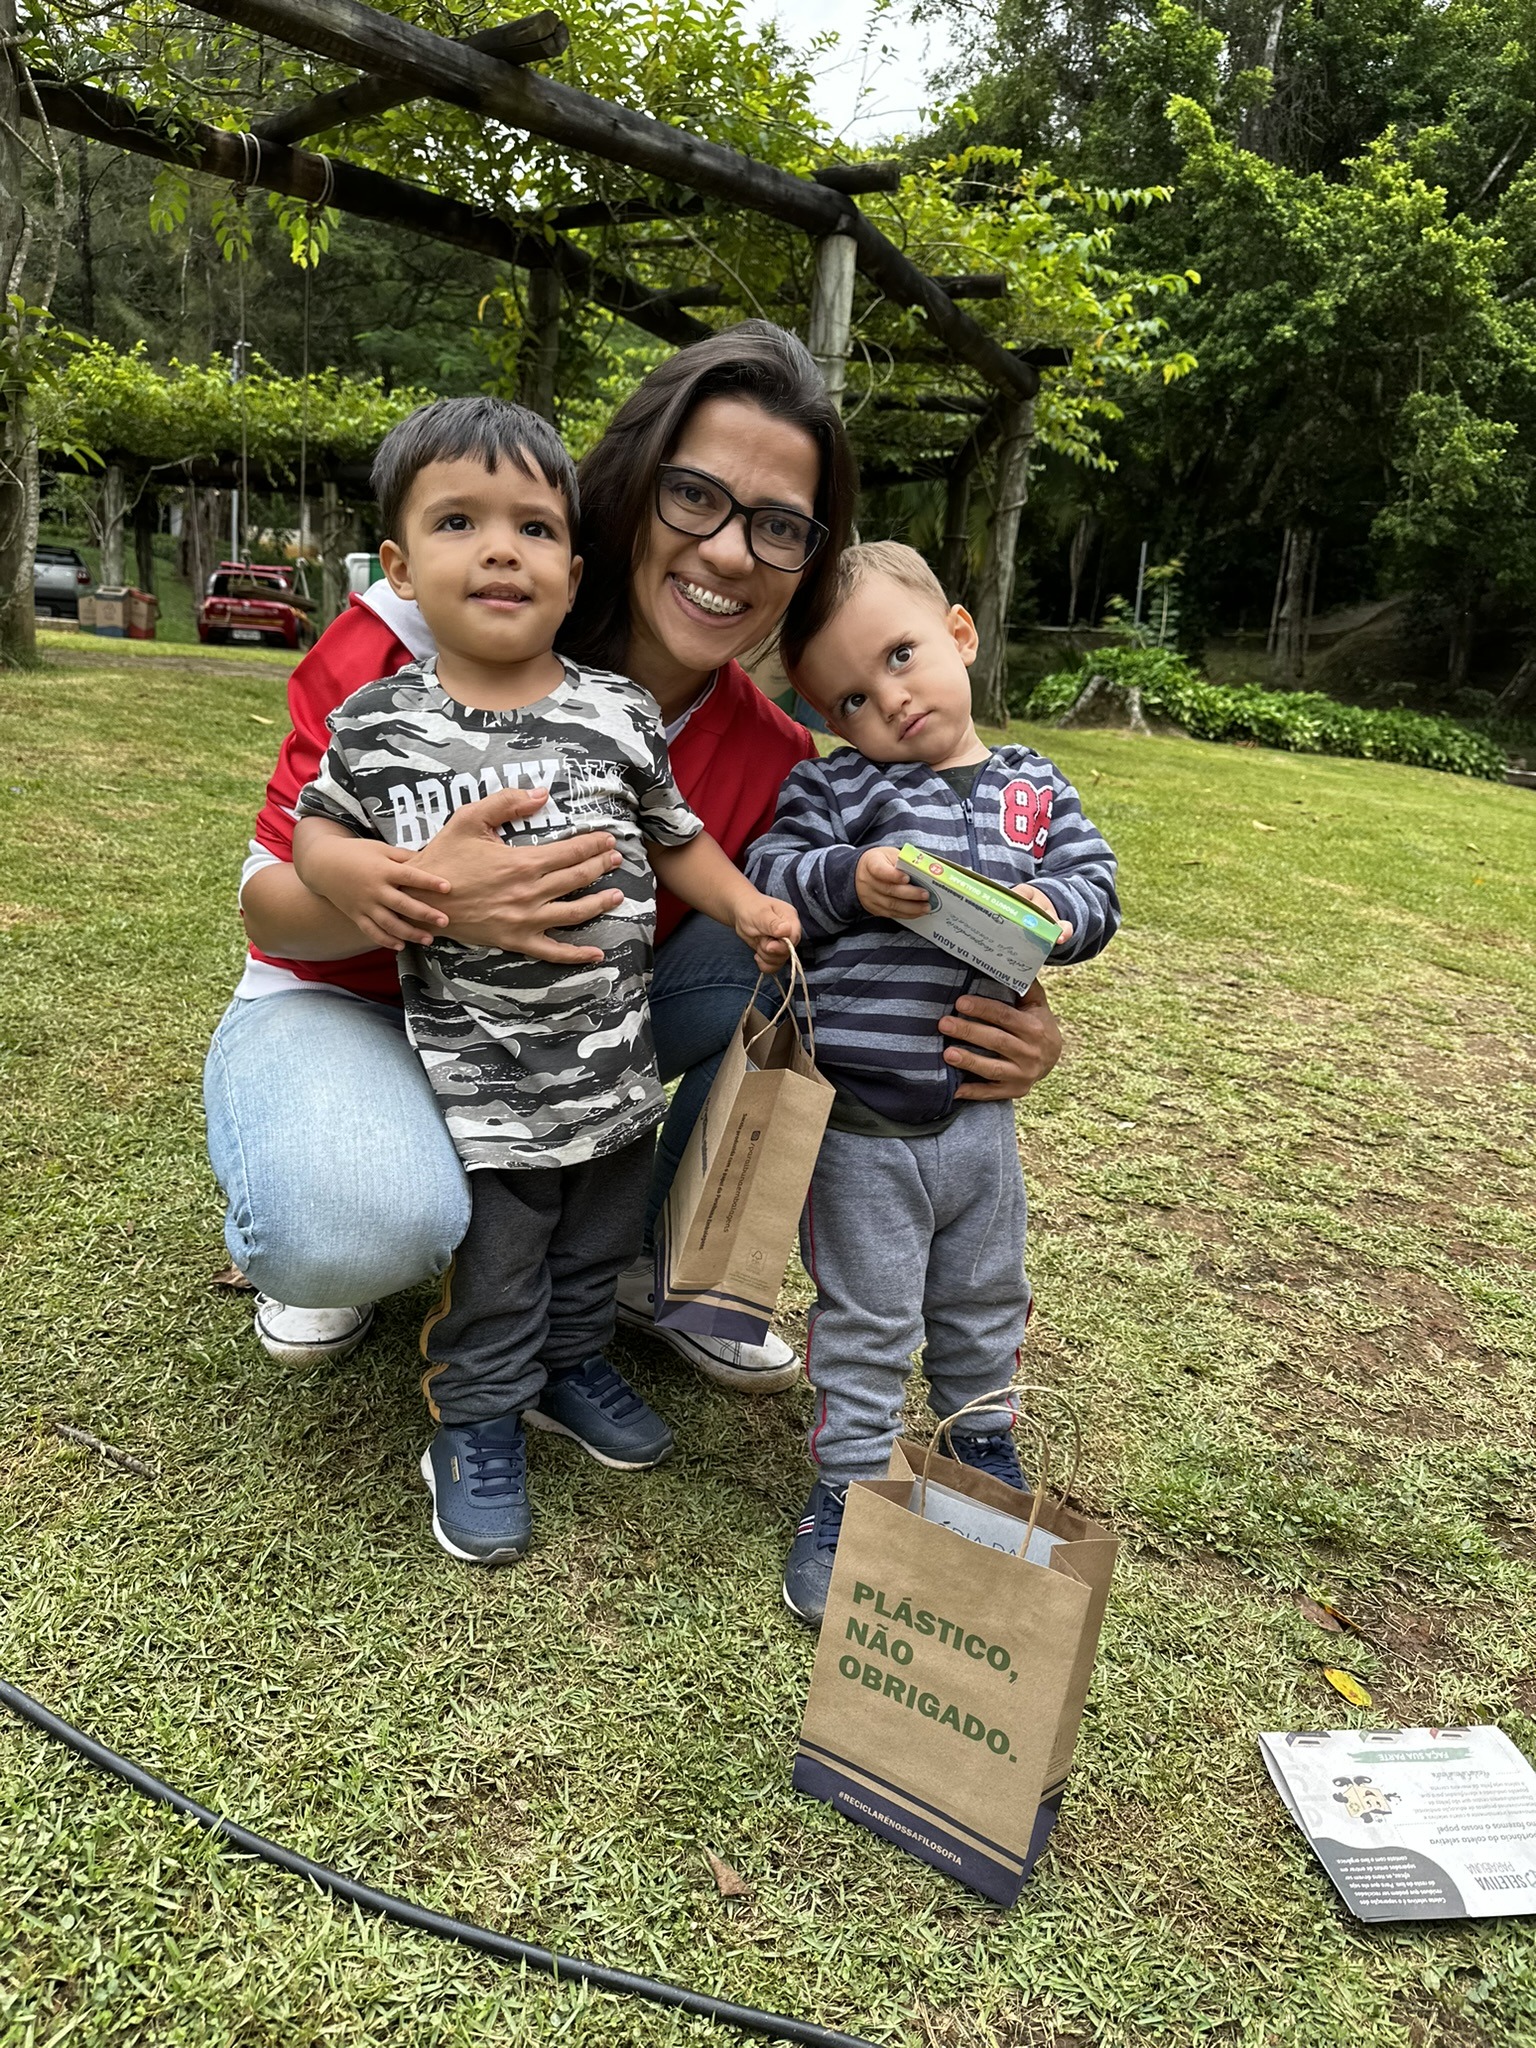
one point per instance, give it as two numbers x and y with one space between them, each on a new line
729 761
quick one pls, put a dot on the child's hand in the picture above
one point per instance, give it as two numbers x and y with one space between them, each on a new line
770 928
885 888
1046 908
371 883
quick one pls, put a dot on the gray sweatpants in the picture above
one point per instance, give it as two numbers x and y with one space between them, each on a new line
907 1240
531 1287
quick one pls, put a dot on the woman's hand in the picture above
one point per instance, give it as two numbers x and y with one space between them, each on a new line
1008 1048
509 897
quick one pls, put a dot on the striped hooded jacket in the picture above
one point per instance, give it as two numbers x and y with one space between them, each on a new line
878 990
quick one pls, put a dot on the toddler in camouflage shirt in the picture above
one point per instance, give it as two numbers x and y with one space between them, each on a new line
544 1070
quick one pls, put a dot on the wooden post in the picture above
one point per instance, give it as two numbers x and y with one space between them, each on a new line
18 450
832 311
540 352
989 677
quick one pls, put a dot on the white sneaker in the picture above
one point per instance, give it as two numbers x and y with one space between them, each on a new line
749 1368
303 1336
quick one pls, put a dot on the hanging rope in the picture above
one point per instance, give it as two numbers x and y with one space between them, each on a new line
309 264
313 213
250 151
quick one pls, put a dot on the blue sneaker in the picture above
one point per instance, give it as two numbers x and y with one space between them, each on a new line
602 1412
994 1455
478 1480
808 1573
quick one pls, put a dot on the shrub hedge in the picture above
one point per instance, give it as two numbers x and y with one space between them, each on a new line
1299 721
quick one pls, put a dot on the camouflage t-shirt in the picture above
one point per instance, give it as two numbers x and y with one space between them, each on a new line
533 1064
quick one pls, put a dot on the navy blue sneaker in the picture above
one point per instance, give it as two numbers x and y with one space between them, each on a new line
602 1412
808 1573
478 1480
994 1455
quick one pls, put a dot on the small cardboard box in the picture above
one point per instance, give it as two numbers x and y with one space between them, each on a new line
980 922
142 607
87 612
112 611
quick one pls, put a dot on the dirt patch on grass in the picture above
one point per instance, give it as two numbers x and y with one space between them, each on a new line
16 916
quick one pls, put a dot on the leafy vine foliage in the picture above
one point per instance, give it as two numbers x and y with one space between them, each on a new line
962 209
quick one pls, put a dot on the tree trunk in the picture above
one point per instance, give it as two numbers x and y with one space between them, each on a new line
146 517
1459 659
1294 595
989 676
1272 644
1259 123
955 549
540 352
1077 560
113 509
332 590
832 311
199 544
83 246
1518 690
18 445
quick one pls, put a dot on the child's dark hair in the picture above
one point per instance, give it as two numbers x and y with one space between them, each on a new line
487 428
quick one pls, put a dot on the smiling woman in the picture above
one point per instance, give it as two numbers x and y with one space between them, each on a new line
341 1182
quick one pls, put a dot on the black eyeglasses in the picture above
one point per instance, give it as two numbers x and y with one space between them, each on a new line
690 502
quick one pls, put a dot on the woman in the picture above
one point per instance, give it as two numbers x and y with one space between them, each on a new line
341 1181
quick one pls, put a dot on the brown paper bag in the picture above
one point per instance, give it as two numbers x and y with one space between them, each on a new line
733 1212
950 1677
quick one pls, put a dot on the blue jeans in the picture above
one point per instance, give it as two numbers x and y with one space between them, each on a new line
341 1179
323 1131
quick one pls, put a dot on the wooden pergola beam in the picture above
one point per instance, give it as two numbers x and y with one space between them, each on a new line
537 38
618 213
974 284
848 179
272 167
352 33
221 471
852 179
945 402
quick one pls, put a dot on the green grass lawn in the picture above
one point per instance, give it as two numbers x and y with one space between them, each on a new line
1284 1233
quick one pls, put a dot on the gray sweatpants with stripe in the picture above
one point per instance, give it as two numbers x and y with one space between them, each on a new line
912 1241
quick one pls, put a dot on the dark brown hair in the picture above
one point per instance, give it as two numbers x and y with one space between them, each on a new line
756 361
486 428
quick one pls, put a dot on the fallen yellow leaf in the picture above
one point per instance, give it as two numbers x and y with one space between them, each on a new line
1347 1686
257 719
1262 828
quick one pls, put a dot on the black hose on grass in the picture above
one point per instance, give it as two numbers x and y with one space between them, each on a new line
405 1913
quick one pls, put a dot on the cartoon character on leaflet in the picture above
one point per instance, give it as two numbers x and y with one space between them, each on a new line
1364 1801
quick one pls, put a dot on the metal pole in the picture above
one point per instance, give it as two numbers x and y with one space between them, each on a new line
1141 583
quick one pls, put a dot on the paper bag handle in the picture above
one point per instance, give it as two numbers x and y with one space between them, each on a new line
796 973
1003 1398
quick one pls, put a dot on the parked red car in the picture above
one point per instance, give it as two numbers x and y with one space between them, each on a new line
254 602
